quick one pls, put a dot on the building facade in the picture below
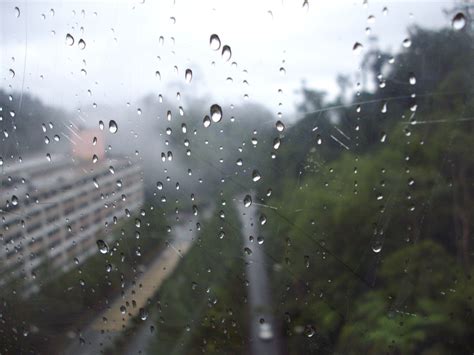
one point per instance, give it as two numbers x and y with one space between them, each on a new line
55 211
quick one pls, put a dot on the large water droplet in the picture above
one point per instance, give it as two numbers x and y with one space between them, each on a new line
216 113
215 42
17 11
459 21
103 247
280 126
81 44
226 53
188 75
113 126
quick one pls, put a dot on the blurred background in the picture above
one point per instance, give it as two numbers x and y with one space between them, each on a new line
236 177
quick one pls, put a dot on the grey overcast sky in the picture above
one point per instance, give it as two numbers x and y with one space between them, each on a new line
123 51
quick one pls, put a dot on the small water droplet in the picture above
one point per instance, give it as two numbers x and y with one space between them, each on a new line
256 175
69 39
276 143
206 121
412 79
215 42
247 201
17 11
280 126
12 73
377 245
459 21
143 314
357 48
406 43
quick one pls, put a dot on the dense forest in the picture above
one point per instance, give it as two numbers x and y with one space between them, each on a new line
372 218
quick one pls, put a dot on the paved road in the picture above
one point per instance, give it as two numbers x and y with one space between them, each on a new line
258 290
99 334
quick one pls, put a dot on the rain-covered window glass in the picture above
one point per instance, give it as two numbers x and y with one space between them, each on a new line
236 177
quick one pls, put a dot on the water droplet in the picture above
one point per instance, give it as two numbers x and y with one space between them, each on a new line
247 200
81 44
17 11
256 175
239 162
412 79
12 73
282 71
459 21
305 5
276 143
14 200
206 121
357 48
280 126
103 247
113 126
248 251
143 314
377 245
216 113
188 76
215 42
371 19
69 39
383 137
406 43
309 331
226 53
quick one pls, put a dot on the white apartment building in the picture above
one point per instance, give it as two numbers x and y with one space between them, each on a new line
56 210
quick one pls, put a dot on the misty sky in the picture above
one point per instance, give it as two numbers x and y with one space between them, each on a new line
123 51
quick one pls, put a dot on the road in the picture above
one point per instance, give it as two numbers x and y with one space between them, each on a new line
259 284
100 334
